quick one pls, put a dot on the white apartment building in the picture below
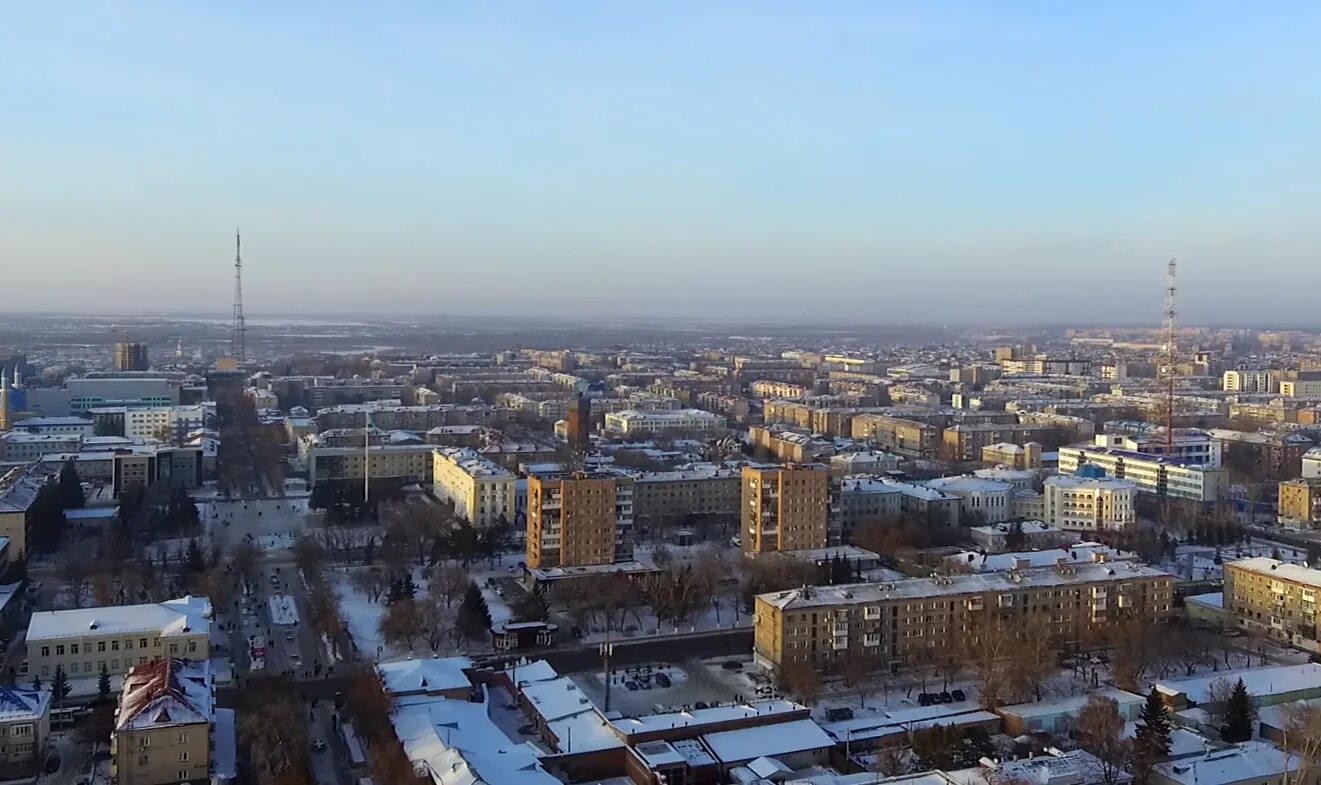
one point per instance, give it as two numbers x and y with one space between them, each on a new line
1151 474
480 490
690 421
1312 463
770 388
1087 504
1248 380
1193 447
990 500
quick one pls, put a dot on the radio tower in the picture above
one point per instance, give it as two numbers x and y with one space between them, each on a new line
236 343
1169 356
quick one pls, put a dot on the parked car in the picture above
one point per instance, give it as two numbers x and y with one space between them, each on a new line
923 699
732 665
959 695
663 680
52 764
839 713
631 686
945 697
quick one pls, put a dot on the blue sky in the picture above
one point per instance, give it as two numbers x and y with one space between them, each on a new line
873 161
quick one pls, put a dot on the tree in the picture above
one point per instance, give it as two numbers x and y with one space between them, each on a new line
60 685
103 684
71 487
1151 741
1301 735
1015 538
856 669
401 624
371 582
1100 731
246 558
801 680
194 561
448 582
986 651
437 622
945 748
530 606
309 556
36 682
474 615
1240 715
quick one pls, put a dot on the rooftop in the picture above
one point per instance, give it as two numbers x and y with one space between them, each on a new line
1253 761
472 463
165 693
745 744
184 616
1260 682
698 717
407 676
1285 571
18 704
852 594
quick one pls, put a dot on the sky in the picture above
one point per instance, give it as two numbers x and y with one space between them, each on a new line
877 162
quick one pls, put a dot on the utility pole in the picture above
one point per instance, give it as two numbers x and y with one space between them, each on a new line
1170 356
237 332
607 650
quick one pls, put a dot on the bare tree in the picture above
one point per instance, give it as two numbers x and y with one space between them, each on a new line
1216 705
857 669
1301 735
802 681
986 652
246 558
401 624
448 582
438 622
1100 731
371 582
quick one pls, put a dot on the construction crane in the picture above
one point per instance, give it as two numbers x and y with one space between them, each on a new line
1169 356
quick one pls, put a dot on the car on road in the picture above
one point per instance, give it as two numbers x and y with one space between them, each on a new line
319 745
662 680
631 685
52 764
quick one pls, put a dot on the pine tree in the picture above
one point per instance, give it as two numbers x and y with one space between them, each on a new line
1239 715
1153 731
71 487
474 615
60 684
194 561
103 684
36 682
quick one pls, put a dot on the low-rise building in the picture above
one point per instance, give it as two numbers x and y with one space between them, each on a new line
18 491
694 422
1014 456
864 462
165 723
1152 474
908 438
1088 504
1249 763
911 622
1001 537
481 491
704 490
82 641
981 500
24 728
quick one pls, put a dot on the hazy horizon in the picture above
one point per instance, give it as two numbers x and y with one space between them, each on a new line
908 164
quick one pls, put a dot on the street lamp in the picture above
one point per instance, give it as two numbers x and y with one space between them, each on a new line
607 650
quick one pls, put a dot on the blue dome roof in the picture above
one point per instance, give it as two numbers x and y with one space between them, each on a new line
1090 471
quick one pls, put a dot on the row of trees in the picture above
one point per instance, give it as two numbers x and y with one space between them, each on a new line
453 611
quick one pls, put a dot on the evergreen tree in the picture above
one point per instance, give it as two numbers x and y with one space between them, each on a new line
60 684
474 615
194 560
36 682
1239 715
71 487
1153 731
103 684
49 525
1015 538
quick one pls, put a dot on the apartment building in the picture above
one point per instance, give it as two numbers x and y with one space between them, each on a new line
669 497
1300 388
1248 380
694 422
1278 455
793 413
131 356
787 508
1300 502
965 442
981 500
1088 504
1015 456
915 622
405 418
18 490
578 519
771 388
790 446
1151 474
908 438
24 728
83 640
1310 465
19 446
406 463
864 462
865 499
481 490
1275 598
165 723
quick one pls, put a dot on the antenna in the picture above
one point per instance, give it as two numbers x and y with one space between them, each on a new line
1169 356
236 336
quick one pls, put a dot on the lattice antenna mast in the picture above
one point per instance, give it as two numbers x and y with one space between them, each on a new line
1169 355
240 328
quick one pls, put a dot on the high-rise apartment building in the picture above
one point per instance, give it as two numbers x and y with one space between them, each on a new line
578 519
787 508
914 622
131 356
579 423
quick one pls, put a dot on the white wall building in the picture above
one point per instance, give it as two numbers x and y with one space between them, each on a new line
480 490
1312 462
1247 380
691 421
991 500
1084 504
1151 474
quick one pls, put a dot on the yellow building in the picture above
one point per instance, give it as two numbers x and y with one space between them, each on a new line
18 490
786 508
1300 502
578 519
481 490
909 438
916 621
1015 456
83 640
164 724
1274 598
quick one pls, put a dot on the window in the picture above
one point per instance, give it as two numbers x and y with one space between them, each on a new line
114 645
174 648
142 643
45 651
183 756
59 651
73 648
192 646
128 643
183 774
100 645
22 730
183 738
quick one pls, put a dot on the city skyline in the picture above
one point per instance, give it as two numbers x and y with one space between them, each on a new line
948 164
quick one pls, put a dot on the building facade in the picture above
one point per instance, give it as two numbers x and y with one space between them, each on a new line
1300 502
131 356
694 422
917 621
578 519
481 490
671 497
1275 598
786 508
1153 475
82 641
1088 505
24 728
164 723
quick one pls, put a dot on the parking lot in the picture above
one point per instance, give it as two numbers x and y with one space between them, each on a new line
690 683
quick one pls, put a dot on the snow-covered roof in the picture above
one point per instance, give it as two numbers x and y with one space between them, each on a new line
965 484
1260 682
413 676
538 670
165 693
785 738
903 721
1285 571
1252 761
1082 553
456 743
1071 704
184 616
713 715
20 704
